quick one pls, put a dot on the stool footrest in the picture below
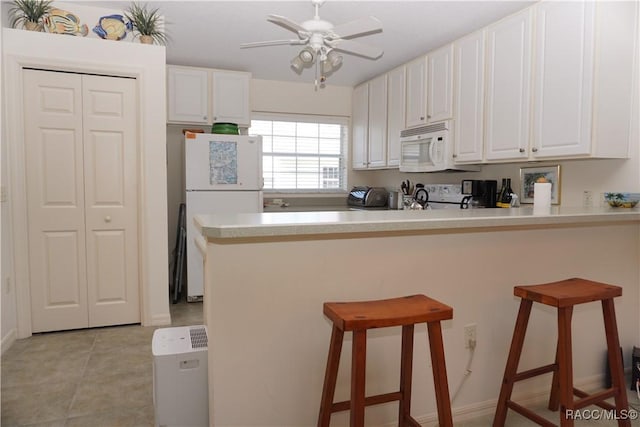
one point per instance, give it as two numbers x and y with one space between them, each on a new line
594 399
534 372
529 414
411 422
368 401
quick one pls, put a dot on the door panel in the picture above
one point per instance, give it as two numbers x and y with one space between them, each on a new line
55 200
81 157
111 200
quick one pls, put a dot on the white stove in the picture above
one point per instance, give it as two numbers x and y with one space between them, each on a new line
445 196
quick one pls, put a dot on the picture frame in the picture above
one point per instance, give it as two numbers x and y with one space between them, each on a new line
529 176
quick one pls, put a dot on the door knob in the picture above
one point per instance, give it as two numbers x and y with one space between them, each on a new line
107 218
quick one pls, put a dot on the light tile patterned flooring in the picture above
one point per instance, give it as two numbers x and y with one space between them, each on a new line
103 377
92 377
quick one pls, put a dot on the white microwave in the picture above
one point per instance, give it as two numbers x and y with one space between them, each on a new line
429 149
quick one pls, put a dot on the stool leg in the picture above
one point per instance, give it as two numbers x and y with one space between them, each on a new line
439 368
615 360
512 362
358 370
565 366
554 396
330 377
406 367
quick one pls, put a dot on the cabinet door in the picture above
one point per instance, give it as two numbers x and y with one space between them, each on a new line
360 119
440 87
377 154
231 97
508 88
469 98
563 78
417 92
187 95
396 101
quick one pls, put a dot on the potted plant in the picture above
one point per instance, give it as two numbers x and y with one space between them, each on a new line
147 23
29 13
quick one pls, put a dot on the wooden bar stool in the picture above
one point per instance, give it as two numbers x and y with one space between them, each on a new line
564 295
361 316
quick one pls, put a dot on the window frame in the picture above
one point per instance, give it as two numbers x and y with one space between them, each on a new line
343 156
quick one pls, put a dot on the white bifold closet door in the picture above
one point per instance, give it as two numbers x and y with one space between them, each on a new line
81 173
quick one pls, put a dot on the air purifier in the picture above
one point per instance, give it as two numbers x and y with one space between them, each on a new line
180 381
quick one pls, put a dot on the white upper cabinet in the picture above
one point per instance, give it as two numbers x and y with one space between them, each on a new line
188 95
230 98
416 113
508 83
440 87
205 96
396 102
360 126
377 152
469 98
563 78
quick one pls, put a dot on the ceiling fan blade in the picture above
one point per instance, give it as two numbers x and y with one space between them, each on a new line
286 23
349 46
359 27
271 43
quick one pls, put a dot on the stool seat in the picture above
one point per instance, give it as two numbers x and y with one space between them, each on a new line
568 292
564 295
408 310
360 316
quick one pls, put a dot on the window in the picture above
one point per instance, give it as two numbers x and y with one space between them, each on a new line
300 153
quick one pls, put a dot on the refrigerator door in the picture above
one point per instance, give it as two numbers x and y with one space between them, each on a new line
223 162
211 202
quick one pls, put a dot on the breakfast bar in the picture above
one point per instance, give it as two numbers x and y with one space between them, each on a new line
267 276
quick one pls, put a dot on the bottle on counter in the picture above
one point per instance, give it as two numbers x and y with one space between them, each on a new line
504 199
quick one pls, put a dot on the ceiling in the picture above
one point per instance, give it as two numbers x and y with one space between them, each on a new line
209 33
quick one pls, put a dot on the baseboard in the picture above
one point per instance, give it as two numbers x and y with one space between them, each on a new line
8 340
160 320
527 398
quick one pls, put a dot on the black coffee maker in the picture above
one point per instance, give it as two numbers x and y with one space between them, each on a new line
479 193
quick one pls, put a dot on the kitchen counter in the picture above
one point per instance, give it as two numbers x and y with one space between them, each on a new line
340 222
268 275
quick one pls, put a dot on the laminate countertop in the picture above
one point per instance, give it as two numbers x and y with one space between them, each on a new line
263 225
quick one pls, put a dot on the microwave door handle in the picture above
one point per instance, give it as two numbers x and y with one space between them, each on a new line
432 149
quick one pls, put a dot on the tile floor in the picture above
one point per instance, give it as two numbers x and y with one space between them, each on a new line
93 377
103 377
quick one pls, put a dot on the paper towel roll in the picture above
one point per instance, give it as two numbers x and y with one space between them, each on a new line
542 195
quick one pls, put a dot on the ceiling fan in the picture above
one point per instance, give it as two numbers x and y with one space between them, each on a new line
323 40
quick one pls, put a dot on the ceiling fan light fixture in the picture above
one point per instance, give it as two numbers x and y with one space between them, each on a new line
307 55
334 58
297 64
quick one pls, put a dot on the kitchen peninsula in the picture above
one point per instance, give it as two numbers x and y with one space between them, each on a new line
267 276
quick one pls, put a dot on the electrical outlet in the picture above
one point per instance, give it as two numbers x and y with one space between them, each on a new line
587 198
470 335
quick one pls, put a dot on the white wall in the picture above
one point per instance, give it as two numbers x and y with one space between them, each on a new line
145 63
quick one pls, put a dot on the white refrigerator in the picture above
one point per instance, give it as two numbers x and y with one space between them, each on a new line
223 174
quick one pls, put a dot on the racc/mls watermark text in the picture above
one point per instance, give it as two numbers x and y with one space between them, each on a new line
602 414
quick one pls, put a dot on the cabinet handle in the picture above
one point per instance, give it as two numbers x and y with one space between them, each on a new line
107 218
422 118
215 118
204 118
455 155
522 150
428 117
534 149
